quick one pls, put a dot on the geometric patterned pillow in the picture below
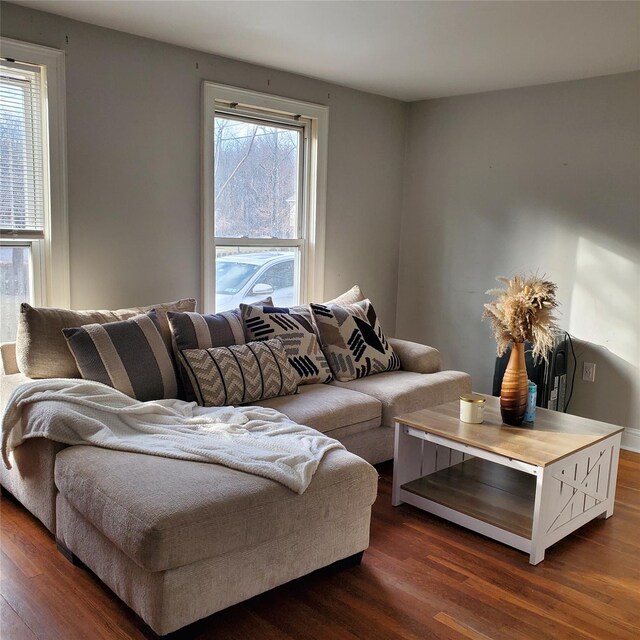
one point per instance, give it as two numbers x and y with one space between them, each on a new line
237 374
128 355
295 328
353 340
197 331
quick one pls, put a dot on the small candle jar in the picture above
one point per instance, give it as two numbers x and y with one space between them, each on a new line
472 408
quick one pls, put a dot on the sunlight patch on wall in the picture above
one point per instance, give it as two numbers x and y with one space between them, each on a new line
604 302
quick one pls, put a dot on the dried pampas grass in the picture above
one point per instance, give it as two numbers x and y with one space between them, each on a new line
523 310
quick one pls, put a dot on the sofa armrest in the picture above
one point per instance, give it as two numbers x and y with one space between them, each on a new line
416 357
8 362
8 384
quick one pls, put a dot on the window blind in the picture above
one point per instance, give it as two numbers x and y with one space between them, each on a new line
22 169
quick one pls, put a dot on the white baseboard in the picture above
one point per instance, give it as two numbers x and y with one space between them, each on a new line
631 439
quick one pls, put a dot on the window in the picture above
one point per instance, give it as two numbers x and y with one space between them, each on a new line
263 215
33 216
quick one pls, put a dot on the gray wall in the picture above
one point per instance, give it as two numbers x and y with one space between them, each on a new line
542 178
133 139
536 178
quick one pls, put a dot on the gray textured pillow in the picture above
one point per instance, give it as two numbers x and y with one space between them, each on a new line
128 355
353 341
241 373
41 350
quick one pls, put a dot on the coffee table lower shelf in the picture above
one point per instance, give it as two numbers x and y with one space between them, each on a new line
496 495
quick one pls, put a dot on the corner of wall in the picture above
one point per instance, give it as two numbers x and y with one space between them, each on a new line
407 108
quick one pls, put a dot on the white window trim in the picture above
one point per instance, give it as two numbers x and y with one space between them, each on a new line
313 287
56 289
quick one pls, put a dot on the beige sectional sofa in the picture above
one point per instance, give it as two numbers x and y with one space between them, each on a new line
179 540
358 413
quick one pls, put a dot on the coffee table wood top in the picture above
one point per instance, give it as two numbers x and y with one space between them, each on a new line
553 436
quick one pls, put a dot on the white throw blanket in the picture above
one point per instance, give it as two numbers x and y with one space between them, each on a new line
256 440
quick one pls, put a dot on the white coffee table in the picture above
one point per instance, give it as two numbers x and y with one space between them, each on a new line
527 486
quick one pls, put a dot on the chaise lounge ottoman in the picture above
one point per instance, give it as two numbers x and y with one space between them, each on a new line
178 541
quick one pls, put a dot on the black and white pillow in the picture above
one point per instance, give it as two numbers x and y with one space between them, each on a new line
128 355
242 373
353 341
295 329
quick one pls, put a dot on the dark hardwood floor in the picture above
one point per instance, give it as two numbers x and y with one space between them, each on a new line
421 578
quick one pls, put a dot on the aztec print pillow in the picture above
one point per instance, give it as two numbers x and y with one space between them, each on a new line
295 329
196 331
128 355
353 341
240 373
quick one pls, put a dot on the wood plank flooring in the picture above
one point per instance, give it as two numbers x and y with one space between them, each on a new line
421 578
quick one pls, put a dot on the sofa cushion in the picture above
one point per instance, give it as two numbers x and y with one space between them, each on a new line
165 513
128 355
240 373
405 391
329 409
41 350
297 333
353 341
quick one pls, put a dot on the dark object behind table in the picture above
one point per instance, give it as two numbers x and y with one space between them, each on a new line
550 377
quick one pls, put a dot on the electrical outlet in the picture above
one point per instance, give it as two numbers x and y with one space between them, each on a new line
589 371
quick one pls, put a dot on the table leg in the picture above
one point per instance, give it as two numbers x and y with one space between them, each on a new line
407 461
541 505
613 477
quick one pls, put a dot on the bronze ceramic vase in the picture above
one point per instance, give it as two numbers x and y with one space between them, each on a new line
515 387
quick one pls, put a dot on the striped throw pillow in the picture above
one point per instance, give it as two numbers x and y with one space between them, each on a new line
129 355
241 373
197 331
41 349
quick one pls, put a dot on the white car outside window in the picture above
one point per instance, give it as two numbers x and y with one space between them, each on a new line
250 277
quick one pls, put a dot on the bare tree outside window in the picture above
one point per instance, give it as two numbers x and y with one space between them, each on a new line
256 175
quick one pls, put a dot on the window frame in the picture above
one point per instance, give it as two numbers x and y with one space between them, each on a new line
49 255
311 241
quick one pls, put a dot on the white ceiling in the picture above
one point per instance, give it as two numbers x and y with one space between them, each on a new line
405 50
